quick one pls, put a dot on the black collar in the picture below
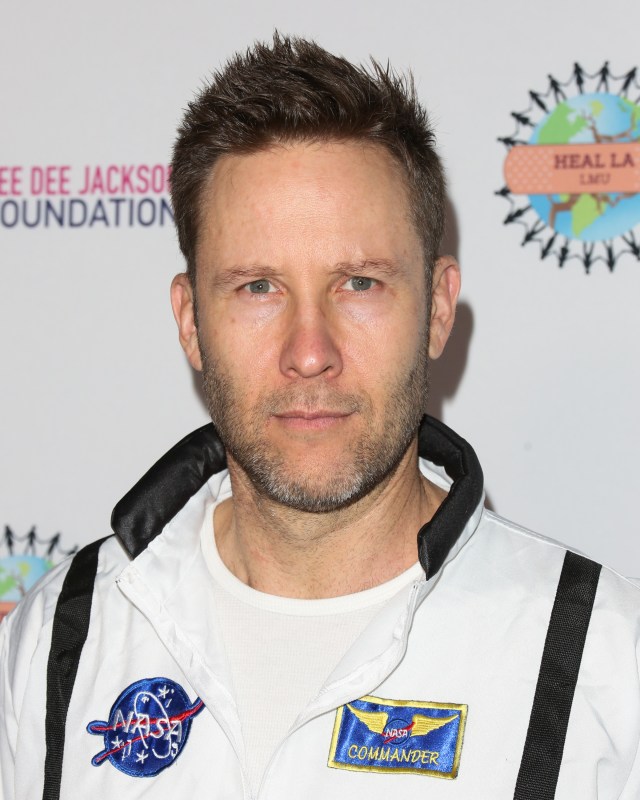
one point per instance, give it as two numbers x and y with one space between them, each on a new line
158 496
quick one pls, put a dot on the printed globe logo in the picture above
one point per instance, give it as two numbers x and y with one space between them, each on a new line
572 172
24 559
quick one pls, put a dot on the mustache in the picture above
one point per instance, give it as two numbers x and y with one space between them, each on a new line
310 400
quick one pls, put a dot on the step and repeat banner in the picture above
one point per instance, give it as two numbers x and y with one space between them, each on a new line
537 112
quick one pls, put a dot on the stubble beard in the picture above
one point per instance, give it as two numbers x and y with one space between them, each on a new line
366 461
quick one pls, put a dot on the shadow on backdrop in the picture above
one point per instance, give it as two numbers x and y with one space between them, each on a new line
446 373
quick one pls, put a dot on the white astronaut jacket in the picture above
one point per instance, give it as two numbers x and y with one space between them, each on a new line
510 671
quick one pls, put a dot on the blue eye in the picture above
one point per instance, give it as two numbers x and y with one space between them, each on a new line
261 286
360 284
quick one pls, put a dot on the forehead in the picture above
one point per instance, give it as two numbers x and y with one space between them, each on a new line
323 199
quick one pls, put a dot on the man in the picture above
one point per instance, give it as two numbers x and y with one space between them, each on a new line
310 599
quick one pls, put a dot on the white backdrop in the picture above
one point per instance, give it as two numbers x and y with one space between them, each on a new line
542 374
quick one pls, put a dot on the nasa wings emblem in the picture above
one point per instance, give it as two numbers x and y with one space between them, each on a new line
378 735
148 727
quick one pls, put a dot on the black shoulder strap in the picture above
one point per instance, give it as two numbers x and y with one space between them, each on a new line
69 632
561 657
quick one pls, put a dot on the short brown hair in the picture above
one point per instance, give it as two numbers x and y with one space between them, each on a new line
293 90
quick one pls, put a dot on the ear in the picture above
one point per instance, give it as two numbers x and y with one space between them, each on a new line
182 302
444 296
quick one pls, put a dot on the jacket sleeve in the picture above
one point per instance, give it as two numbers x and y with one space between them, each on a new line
631 789
25 639
8 719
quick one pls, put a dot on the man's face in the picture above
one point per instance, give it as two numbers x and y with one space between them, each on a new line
312 319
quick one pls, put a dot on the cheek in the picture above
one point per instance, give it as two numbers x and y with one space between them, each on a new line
251 335
237 332
389 338
245 353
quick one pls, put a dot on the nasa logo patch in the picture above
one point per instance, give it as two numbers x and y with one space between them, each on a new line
148 727
378 735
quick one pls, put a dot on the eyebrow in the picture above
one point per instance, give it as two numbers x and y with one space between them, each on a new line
251 272
382 266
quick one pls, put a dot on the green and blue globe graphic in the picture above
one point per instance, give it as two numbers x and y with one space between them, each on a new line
19 573
590 119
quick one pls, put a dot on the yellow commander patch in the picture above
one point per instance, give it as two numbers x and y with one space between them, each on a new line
378 735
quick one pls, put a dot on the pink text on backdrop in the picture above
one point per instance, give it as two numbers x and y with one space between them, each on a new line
10 181
126 179
50 180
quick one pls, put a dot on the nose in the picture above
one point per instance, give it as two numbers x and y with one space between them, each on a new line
310 348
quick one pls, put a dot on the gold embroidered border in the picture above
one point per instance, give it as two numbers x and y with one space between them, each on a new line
407 770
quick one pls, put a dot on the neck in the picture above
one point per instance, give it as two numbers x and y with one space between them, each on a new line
282 551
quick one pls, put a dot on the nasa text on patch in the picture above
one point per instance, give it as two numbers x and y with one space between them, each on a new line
378 735
148 727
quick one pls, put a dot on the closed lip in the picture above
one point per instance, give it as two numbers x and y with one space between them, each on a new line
311 415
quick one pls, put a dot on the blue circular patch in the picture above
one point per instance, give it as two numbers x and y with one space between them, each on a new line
147 728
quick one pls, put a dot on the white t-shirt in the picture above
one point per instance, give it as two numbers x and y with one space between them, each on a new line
281 650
